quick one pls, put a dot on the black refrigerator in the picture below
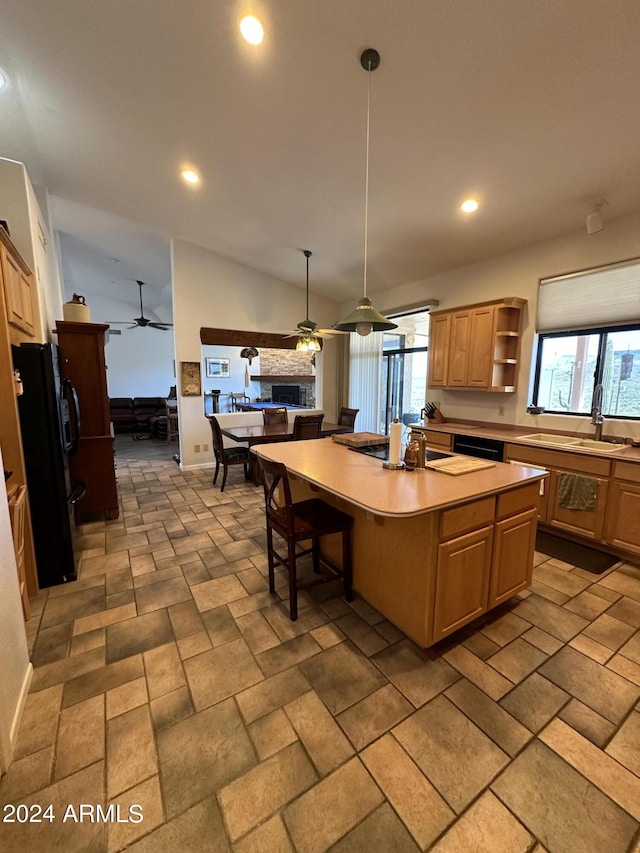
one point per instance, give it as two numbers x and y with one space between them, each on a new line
50 427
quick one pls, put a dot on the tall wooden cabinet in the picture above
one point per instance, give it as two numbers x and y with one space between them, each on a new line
476 347
82 346
19 313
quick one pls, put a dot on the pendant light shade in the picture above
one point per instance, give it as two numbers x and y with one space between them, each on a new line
365 319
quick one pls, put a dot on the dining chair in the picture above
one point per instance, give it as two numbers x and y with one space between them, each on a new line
171 413
299 522
347 417
307 426
238 400
275 416
227 456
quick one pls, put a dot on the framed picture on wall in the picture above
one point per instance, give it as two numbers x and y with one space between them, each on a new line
217 368
190 378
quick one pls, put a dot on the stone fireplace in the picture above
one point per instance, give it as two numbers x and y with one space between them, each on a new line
286 394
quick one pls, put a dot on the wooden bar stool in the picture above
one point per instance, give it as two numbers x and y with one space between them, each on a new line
300 522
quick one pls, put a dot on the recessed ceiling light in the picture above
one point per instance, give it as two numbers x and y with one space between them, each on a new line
190 176
251 29
469 206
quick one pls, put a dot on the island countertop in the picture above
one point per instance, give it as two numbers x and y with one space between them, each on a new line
362 480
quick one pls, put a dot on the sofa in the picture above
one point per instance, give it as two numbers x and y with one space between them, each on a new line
121 414
139 414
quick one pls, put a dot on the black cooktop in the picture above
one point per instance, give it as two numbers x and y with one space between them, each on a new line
381 451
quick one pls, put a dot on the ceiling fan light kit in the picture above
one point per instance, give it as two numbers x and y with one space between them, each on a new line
308 337
365 319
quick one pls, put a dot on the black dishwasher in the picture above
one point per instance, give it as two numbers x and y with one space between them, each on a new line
477 445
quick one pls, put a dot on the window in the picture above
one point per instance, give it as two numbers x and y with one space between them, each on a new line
570 364
589 334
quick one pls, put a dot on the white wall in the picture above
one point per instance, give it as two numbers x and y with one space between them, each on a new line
139 361
517 274
210 291
15 668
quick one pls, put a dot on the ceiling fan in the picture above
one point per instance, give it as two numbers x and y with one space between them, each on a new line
309 333
142 321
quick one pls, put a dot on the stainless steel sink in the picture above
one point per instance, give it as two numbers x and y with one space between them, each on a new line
567 442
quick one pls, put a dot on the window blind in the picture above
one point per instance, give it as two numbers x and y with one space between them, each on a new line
607 296
364 379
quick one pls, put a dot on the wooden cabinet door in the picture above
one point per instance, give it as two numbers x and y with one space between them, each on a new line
481 346
588 523
459 340
623 516
438 350
26 298
12 290
513 546
82 346
462 581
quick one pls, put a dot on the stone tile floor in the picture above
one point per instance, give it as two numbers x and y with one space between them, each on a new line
167 676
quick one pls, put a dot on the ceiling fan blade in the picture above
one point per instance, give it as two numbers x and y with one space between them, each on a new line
117 322
328 333
163 326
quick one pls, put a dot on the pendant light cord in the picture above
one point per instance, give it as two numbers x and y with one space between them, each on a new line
366 180
307 314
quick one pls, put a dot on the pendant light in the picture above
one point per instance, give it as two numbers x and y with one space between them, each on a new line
308 341
365 319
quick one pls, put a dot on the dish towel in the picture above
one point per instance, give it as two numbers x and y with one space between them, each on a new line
577 492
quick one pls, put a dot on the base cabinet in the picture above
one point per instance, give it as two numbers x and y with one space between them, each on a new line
513 537
614 519
623 516
432 574
587 523
462 581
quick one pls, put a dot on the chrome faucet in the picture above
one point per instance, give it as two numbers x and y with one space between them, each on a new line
597 418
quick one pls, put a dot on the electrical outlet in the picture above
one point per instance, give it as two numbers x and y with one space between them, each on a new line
205 447
196 447
501 411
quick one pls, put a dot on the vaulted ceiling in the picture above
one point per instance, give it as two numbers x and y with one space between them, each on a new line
530 107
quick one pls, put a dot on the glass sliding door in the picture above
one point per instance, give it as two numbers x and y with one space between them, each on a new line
404 377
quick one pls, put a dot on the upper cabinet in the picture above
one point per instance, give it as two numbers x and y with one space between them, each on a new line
19 292
476 347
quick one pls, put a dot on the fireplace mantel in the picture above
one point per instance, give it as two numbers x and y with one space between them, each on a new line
288 378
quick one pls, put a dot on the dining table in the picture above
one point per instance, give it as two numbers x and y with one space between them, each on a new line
269 433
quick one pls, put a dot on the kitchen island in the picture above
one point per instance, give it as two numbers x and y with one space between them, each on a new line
431 551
